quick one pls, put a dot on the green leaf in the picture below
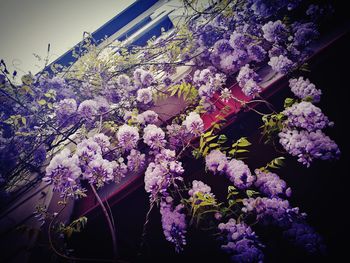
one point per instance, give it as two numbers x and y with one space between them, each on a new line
222 139
42 102
288 102
251 193
243 142
24 120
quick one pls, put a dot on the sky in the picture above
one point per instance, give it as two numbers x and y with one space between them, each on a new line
28 26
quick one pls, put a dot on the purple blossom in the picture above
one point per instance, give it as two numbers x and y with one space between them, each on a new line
275 32
63 171
239 174
304 236
87 150
307 116
124 81
144 95
146 78
305 89
216 161
304 33
251 88
199 187
222 46
65 111
271 184
88 109
245 74
177 135
242 243
147 117
154 137
239 41
128 136
136 160
272 211
100 171
256 52
103 141
281 64
308 146
161 173
174 224
194 124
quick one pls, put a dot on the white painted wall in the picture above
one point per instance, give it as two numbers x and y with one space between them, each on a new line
27 26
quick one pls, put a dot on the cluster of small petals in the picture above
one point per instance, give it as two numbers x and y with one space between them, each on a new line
174 224
147 117
239 174
136 160
281 64
199 187
124 81
308 146
245 74
271 185
194 123
304 89
307 116
242 243
251 88
144 95
63 172
275 31
216 161
154 137
100 171
128 137
161 173
65 109
87 109
304 236
103 141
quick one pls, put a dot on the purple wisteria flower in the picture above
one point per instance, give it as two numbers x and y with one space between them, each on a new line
128 137
65 111
100 171
251 88
226 95
174 224
304 33
136 160
245 74
124 81
146 78
144 95
304 89
281 64
88 109
87 151
275 32
199 187
256 52
304 236
216 161
161 173
177 135
239 174
242 243
147 117
307 116
63 172
308 146
194 123
271 184
272 211
154 137
103 141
